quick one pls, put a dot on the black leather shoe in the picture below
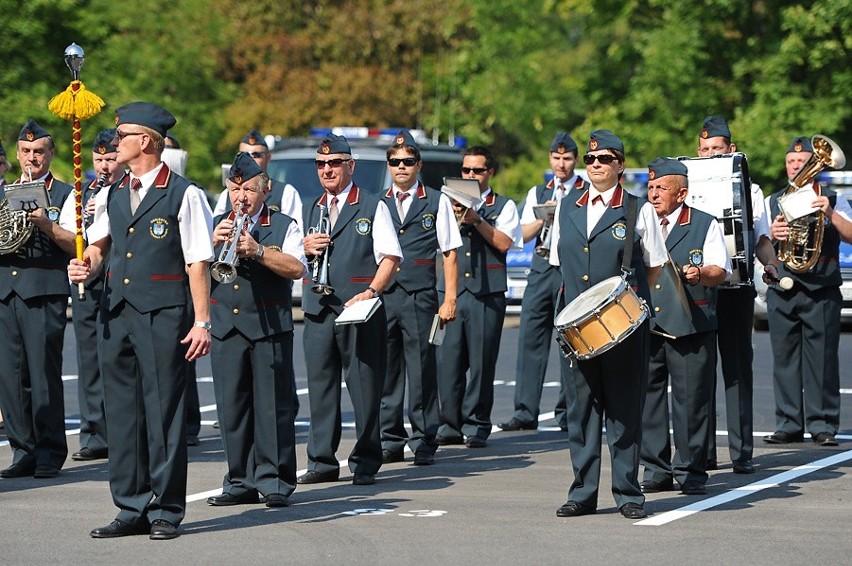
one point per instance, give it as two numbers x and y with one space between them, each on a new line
163 530
446 440
120 529
649 486
781 437
45 472
743 466
475 442
18 471
192 440
363 479
711 465
86 454
424 458
225 499
314 476
392 456
693 488
277 500
633 511
575 509
825 439
515 424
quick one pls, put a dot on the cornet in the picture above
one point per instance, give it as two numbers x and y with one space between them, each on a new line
224 270
543 249
319 264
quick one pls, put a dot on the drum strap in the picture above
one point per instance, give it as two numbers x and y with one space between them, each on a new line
627 258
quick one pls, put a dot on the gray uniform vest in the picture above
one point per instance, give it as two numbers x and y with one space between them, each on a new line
257 302
587 261
826 272
39 267
418 237
482 269
351 263
686 247
544 193
146 264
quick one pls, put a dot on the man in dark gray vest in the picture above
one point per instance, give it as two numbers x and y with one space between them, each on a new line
589 238
804 320
356 253
153 231
424 222
90 386
252 350
473 341
33 301
683 337
538 306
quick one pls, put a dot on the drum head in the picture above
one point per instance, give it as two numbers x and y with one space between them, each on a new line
590 299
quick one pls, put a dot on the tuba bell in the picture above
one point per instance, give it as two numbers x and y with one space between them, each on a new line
802 248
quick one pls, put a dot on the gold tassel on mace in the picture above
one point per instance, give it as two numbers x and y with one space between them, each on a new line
76 102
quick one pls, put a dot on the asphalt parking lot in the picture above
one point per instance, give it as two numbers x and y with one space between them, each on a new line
494 505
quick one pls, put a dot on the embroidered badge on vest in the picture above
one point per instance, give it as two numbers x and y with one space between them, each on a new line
159 228
619 231
363 226
53 213
428 221
696 258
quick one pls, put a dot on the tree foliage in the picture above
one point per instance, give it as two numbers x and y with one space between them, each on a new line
502 73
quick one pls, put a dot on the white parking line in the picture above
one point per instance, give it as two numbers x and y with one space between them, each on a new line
745 491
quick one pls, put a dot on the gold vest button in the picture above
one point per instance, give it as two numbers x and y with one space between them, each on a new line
15 273
658 286
236 287
131 229
467 274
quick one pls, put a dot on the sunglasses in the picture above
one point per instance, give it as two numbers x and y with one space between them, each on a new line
605 159
333 163
119 135
407 161
474 170
258 154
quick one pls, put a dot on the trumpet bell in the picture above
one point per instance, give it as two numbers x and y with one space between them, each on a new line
223 272
320 289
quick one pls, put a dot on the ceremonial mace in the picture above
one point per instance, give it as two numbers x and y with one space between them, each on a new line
76 103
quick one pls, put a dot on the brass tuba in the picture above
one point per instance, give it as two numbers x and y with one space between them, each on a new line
801 250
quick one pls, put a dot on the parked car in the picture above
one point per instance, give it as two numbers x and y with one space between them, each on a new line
293 161
841 182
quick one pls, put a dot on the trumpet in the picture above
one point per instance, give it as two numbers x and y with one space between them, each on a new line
224 270
319 264
89 218
543 249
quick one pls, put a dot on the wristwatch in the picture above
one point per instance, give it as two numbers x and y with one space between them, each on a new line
373 291
203 324
259 253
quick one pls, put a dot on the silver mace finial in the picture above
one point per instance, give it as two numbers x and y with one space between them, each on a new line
74 59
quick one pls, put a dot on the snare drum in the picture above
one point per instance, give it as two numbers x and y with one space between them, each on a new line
721 187
600 318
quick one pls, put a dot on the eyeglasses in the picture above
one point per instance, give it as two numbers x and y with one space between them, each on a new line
258 154
474 170
407 161
605 158
119 135
333 163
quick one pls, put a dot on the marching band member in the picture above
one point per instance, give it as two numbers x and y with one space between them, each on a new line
154 232
804 321
252 349
424 222
589 240
539 303
33 301
90 387
683 342
473 341
361 253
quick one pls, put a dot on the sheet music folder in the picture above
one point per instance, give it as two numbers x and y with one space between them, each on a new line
358 312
